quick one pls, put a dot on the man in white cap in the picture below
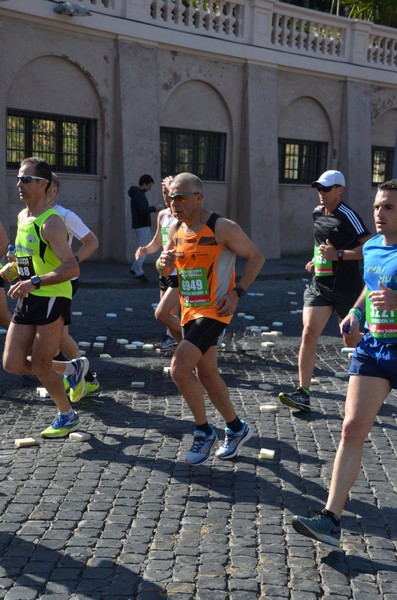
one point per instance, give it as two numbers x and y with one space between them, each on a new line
339 234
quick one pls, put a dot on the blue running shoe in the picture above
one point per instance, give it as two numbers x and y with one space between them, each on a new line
233 442
200 451
61 426
321 528
77 381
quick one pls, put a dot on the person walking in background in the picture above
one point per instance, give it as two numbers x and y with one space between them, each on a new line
88 245
141 222
372 370
43 292
5 315
169 294
203 247
339 233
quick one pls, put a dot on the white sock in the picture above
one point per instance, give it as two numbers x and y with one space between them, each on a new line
70 369
68 413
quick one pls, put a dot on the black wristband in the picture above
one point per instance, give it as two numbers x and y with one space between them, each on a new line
239 290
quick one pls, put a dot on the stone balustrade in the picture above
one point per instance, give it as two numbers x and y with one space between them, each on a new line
266 24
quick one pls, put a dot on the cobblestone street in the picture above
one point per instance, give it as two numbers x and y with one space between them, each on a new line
122 516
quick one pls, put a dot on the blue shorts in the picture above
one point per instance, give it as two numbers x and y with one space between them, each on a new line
373 358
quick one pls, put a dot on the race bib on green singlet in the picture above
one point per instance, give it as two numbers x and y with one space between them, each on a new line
25 267
193 287
382 324
322 266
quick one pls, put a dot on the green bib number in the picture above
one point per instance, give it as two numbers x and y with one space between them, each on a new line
322 266
382 324
193 287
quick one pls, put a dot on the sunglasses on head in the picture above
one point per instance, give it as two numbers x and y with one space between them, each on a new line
326 188
28 178
181 196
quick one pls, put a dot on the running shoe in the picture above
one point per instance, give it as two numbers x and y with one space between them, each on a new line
77 381
200 451
233 442
92 388
220 339
298 399
321 528
166 342
66 384
61 426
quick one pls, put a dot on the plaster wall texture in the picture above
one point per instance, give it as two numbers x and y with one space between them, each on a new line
132 88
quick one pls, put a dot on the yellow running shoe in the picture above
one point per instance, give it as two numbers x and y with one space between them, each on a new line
61 426
77 380
92 388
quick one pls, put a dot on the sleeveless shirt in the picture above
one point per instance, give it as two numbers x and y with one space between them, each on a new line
36 257
206 272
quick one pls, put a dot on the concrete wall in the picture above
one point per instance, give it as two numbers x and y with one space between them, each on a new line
133 88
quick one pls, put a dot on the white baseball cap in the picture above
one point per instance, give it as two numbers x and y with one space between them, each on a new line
329 178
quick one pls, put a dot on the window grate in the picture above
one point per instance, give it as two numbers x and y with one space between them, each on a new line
300 161
200 152
382 164
67 143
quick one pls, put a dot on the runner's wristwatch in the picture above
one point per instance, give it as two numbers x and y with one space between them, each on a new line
339 254
239 291
36 281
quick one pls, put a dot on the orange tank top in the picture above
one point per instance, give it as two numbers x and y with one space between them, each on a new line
206 272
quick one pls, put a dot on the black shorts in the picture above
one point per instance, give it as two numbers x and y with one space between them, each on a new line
41 310
341 302
171 281
203 332
2 282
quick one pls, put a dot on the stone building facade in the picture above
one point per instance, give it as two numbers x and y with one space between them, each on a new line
265 78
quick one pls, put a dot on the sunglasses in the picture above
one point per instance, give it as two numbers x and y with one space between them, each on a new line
181 196
323 188
29 178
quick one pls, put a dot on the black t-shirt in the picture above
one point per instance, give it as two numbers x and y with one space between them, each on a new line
343 228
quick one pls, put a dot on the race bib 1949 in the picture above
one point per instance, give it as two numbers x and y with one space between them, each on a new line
193 287
382 324
322 266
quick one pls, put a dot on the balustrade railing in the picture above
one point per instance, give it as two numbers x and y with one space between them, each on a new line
219 18
313 36
382 50
267 24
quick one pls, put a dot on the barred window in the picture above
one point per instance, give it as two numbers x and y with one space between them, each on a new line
200 152
382 164
67 143
301 161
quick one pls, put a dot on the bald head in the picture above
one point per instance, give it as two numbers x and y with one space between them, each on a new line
187 182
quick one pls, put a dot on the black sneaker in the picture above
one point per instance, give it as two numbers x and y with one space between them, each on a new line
298 399
142 278
132 271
